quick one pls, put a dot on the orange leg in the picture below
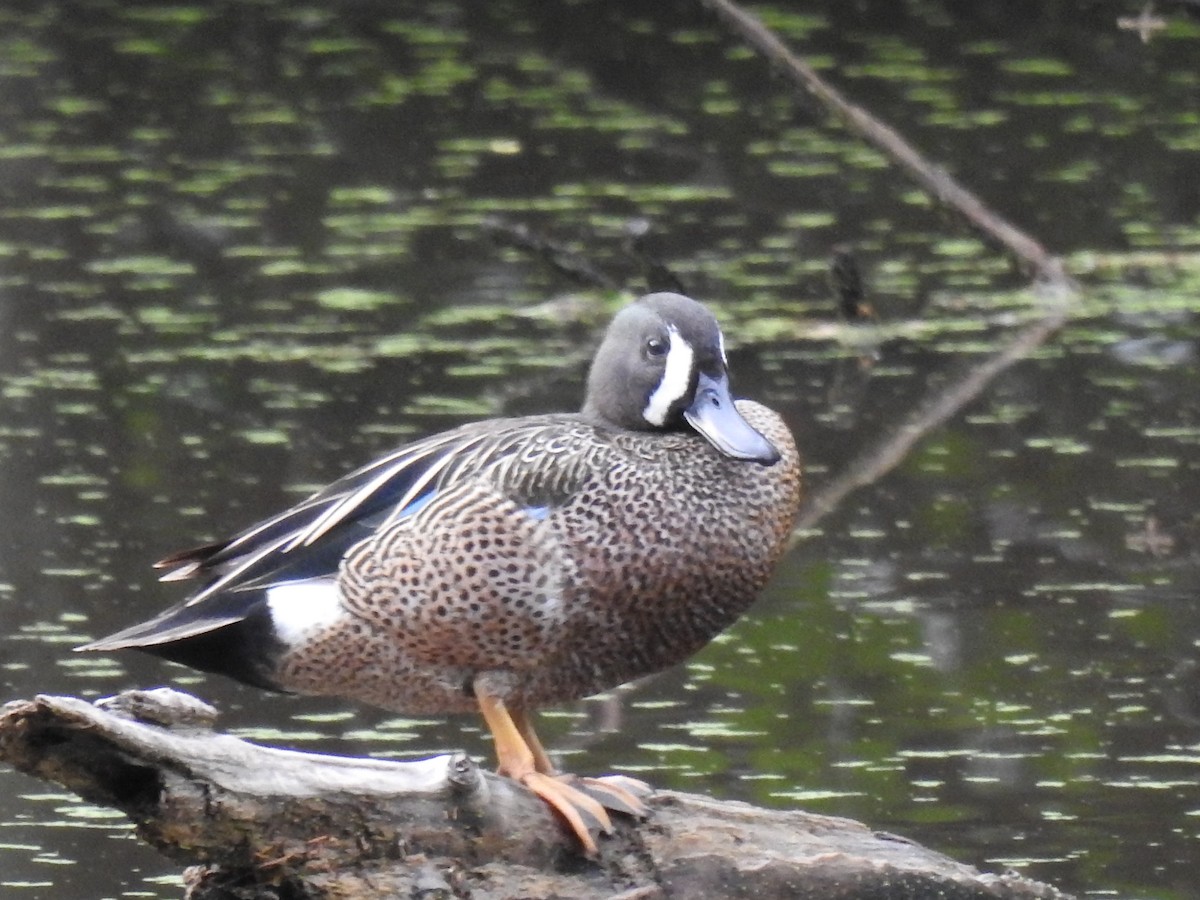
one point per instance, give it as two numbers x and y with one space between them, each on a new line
518 761
614 792
541 759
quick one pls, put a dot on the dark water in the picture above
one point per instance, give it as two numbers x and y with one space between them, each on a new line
246 246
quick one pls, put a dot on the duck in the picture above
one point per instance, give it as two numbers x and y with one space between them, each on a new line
514 563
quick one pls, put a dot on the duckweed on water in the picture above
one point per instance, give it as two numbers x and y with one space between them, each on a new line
358 299
975 624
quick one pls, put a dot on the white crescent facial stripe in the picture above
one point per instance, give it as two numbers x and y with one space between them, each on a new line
676 378
721 344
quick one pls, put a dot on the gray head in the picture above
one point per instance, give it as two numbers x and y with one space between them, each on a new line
662 367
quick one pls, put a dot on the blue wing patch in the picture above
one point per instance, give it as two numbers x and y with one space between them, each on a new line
416 505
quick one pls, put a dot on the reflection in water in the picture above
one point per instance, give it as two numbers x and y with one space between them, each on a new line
897 444
241 253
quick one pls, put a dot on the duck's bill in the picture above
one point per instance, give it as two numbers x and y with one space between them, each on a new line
715 416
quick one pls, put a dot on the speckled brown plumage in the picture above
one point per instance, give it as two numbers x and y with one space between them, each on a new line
653 544
513 563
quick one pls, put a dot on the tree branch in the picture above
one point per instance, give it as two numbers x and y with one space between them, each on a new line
933 179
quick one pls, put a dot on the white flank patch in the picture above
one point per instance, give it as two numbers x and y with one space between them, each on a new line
677 377
300 607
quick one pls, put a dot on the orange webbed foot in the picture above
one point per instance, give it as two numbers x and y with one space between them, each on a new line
616 793
584 814
522 758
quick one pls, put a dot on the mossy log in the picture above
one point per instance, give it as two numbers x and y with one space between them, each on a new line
254 821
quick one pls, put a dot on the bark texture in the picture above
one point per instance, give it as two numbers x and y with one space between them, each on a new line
260 822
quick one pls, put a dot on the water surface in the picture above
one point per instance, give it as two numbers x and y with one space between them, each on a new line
244 248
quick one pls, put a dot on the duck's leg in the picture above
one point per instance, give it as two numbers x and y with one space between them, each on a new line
614 792
541 759
518 761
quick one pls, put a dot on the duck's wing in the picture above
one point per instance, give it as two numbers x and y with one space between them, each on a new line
309 539
298 552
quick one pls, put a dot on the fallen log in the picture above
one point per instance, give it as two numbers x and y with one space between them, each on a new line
261 822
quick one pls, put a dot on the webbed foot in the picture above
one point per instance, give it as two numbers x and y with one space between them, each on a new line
617 793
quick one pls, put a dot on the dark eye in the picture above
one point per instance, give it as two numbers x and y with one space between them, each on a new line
656 347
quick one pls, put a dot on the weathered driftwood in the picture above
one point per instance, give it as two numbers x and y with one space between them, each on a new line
261 822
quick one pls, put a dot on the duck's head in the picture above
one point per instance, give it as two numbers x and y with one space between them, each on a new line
662 367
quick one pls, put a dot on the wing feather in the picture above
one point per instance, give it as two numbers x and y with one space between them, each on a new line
310 538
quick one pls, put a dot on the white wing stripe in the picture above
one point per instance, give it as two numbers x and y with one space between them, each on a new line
418 488
351 501
232 575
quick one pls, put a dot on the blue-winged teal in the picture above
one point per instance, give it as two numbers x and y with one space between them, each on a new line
513 563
